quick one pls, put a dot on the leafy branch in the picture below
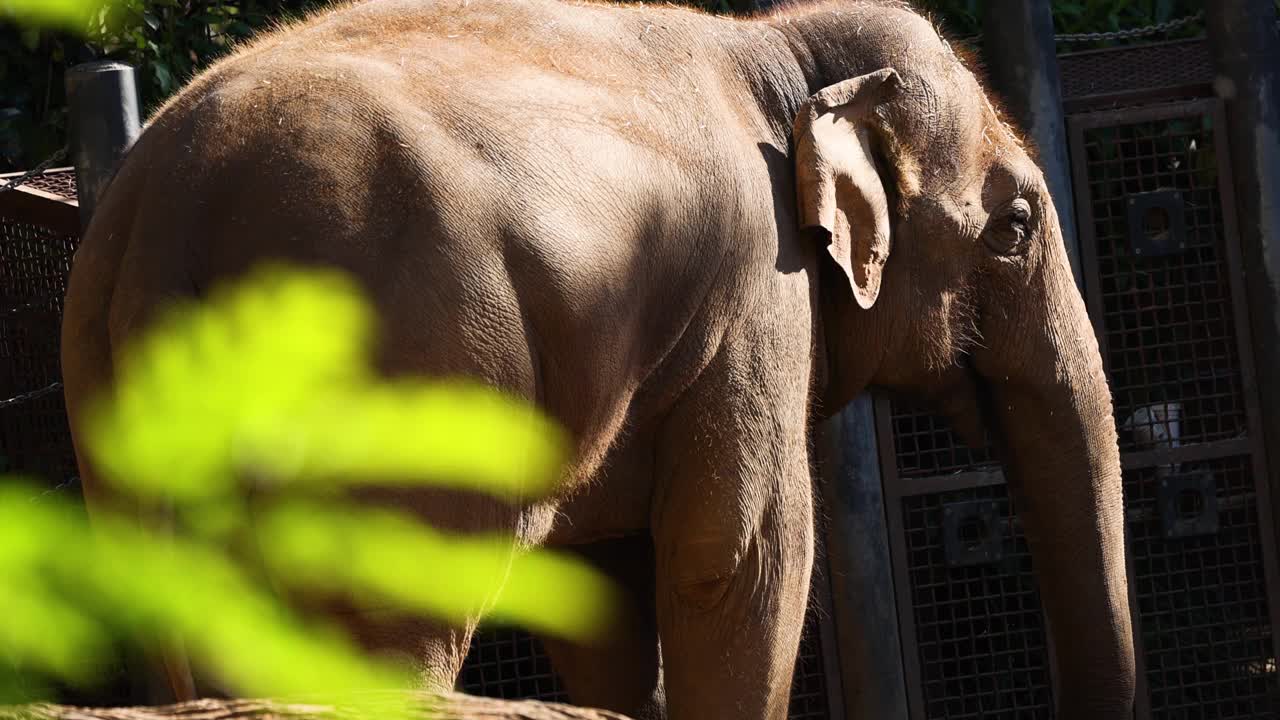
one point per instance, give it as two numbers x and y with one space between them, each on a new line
246 419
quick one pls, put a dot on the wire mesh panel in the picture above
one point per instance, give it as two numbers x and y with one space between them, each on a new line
507 663
809 692
59 181
1202 590
1135 71
924 446
34 262
980 639
1161 290
1170 332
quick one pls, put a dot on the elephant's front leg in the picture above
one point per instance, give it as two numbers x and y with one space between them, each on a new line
733 538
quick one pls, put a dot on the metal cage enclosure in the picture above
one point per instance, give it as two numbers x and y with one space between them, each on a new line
1163 287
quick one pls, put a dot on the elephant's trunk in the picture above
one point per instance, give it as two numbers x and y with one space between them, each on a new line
1054 413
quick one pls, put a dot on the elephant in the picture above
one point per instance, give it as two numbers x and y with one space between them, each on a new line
687 238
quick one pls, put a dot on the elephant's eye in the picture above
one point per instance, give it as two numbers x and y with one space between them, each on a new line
1020 217
1008 232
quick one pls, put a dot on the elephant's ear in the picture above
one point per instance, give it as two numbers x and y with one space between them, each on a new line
839 189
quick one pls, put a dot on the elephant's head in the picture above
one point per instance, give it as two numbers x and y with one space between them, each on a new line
945 276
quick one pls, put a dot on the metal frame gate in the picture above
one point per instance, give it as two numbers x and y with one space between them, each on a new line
1164 289
39 231
973 633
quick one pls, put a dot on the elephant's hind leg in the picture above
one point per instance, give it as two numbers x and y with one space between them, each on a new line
434 648
733 538
621 671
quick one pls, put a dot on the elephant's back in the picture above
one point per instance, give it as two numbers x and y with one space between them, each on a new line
360 160
541 71
555 230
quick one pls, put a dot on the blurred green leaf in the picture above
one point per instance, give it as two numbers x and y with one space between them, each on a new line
156 584
268 387
460 435
55 604
48 632
73 15
392 559
218 391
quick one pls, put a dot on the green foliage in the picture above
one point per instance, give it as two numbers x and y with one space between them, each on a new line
59 609
959 18
168 41
218 390
245 421
73 15
1082 16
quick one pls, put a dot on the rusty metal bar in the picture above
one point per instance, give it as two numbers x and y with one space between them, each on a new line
944 483
1196 452
822 623
29 205
893 493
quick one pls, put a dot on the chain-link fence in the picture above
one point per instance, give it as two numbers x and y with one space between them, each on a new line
38 234
30 395
1073 40
1163 28
35 172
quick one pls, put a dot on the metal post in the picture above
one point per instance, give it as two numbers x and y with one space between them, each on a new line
1020 57
102 101
1245 48
860 567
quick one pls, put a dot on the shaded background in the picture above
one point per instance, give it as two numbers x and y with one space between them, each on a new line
170 40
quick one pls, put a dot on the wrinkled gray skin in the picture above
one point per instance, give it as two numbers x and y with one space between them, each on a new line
685 238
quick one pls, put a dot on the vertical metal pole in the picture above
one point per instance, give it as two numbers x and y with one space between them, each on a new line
1245 47
102 100
1021 61
860 567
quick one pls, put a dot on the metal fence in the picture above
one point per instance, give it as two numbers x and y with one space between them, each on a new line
1163 286
38 234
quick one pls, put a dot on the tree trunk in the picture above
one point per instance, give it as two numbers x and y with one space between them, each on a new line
425 706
